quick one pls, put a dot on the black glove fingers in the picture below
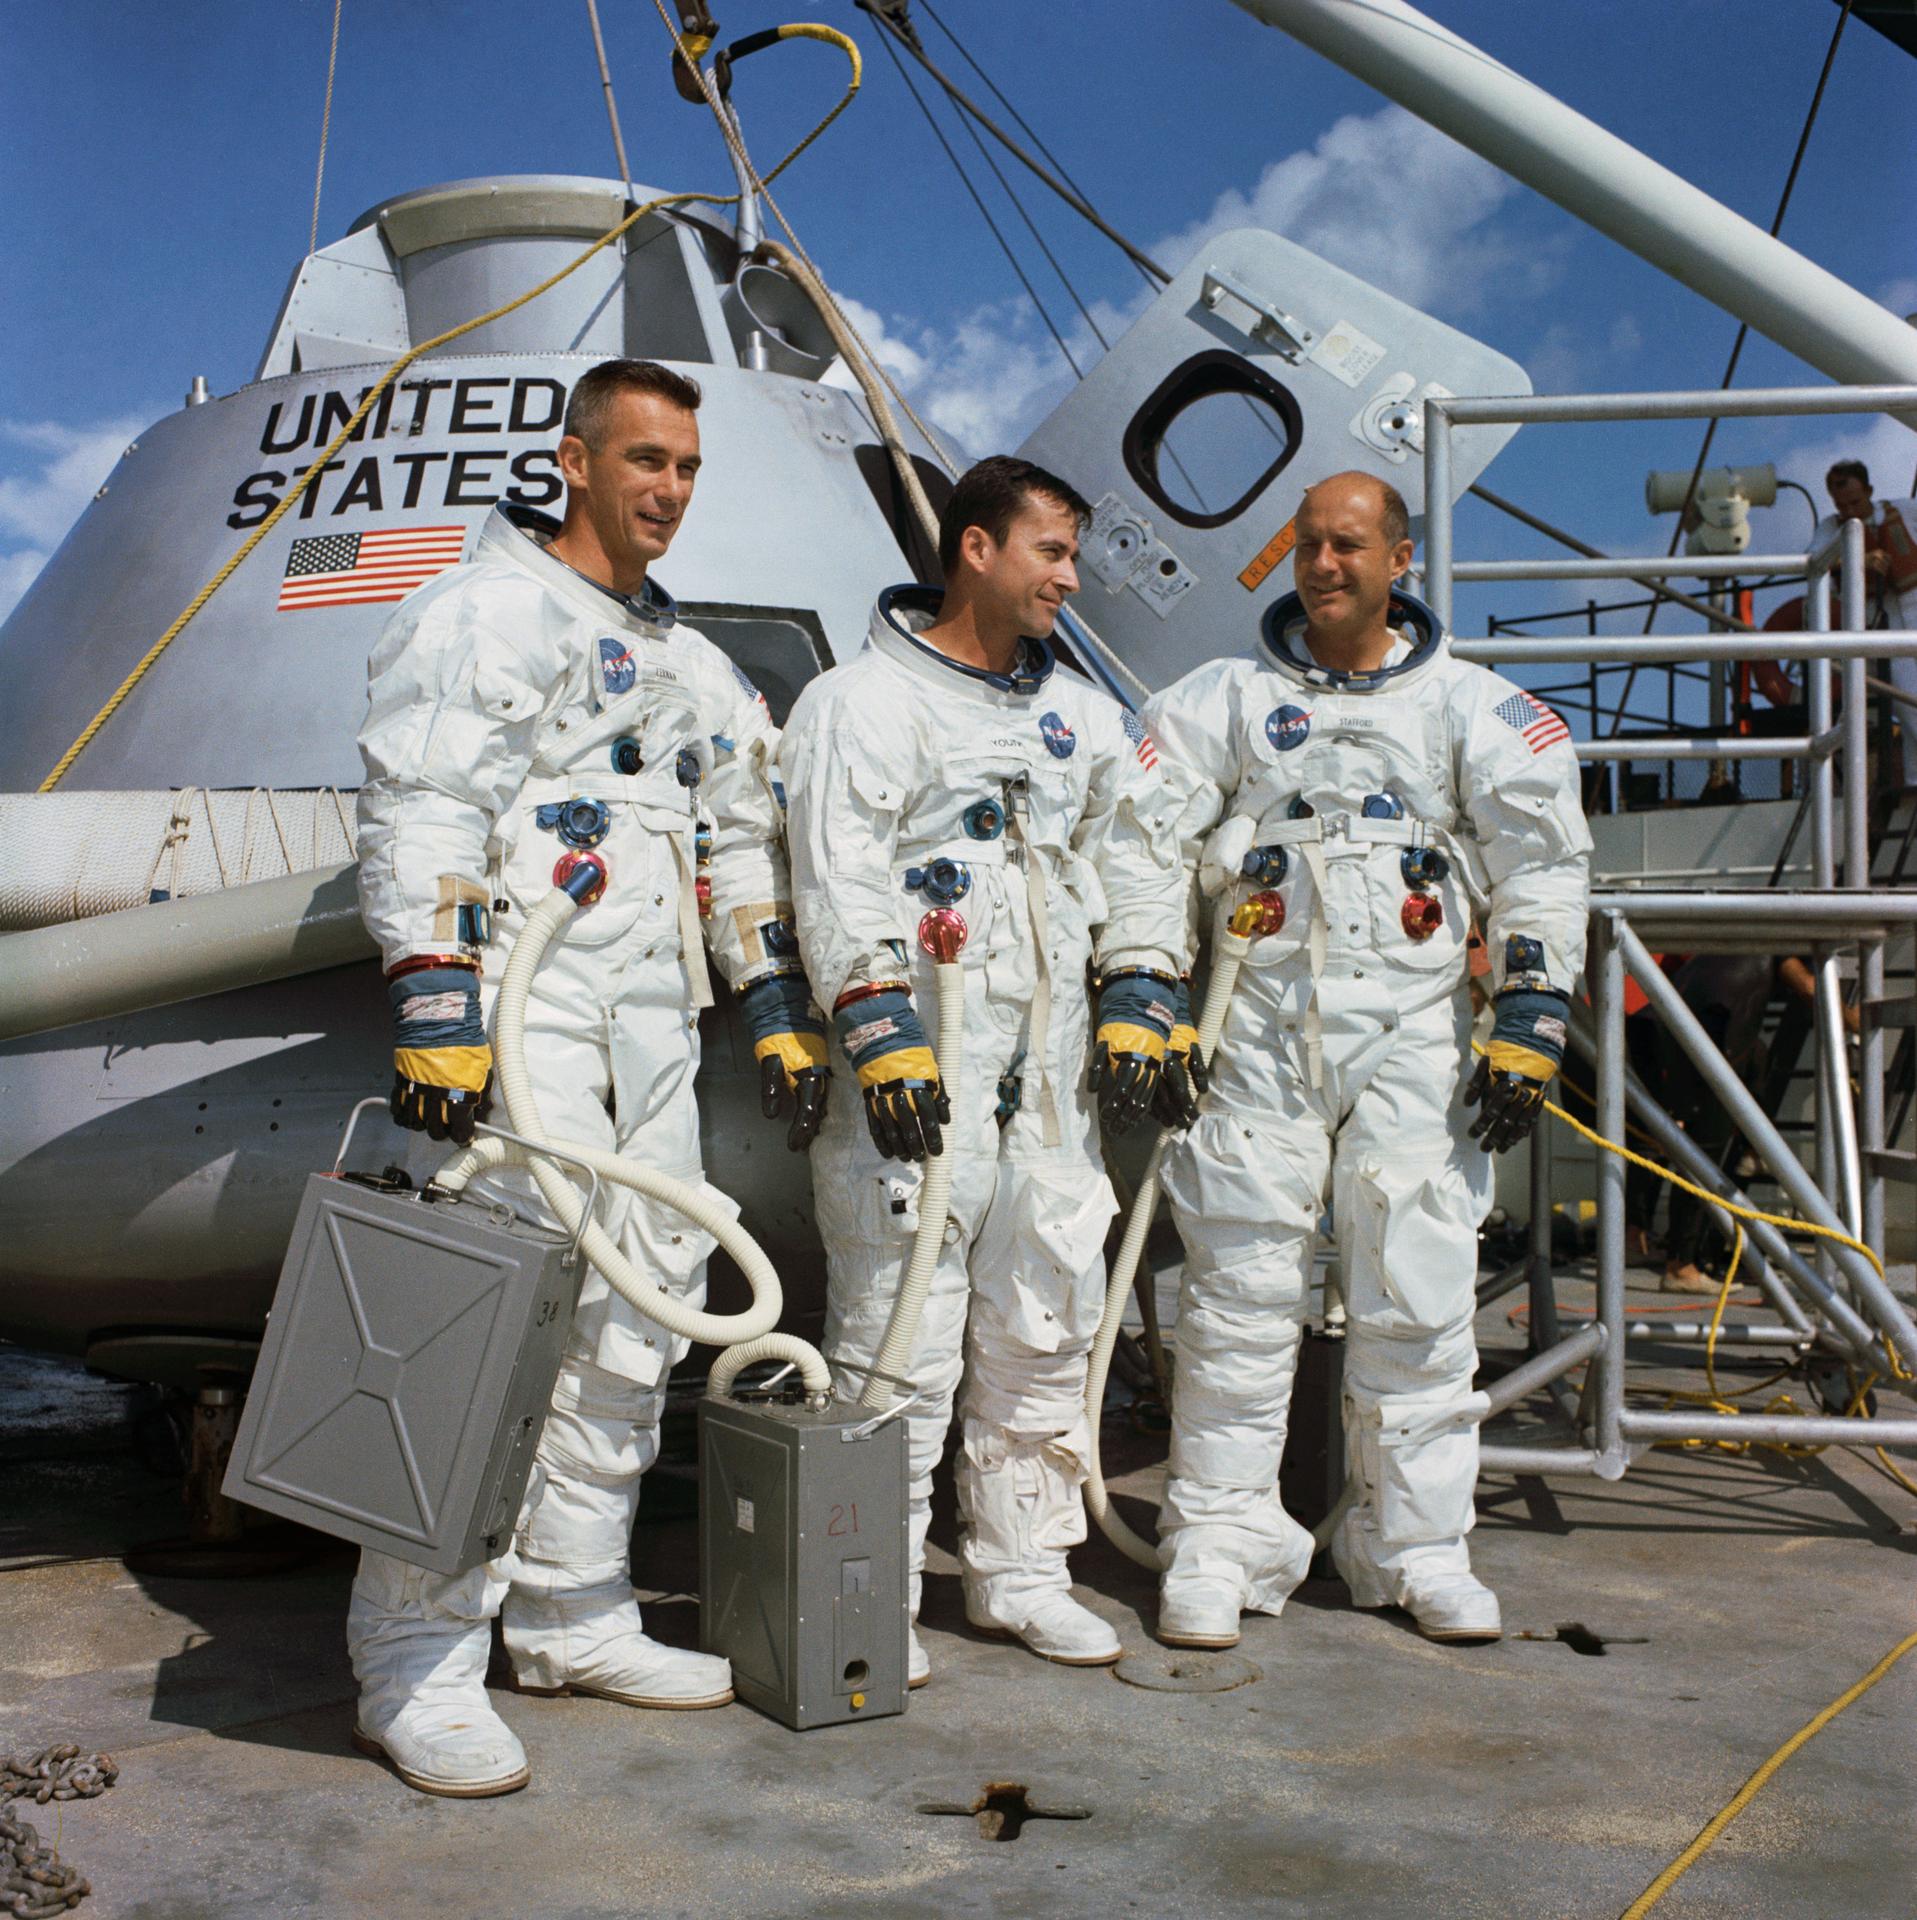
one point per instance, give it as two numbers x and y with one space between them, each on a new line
808 1110
772 1086
929 1108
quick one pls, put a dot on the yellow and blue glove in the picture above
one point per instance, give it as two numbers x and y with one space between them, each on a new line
442 1065
1186 1076
1137 1010
1526 1050
905 1106
788 1041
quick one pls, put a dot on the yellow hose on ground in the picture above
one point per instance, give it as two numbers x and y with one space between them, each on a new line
144 664
1783 1403
1749 1791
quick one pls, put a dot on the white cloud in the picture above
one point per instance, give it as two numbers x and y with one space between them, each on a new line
1900 296
1886 448
18 572
49 470
1392 200
1383 195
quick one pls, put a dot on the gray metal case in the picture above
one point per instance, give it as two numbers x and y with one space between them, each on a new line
802 1559
404 1379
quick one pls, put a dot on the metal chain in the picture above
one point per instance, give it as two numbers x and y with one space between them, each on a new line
57 1773
33 1883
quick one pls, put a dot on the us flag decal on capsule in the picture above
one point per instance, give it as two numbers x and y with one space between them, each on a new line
354 569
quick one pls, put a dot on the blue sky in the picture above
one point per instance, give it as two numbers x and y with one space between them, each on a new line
158 174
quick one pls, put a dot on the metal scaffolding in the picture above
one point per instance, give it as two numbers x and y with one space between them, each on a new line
1828 1296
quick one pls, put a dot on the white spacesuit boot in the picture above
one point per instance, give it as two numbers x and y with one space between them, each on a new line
1402 1543
419 1643
571 1622
1019 1497
1245 1198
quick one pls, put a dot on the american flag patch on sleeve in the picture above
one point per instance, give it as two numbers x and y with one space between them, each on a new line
1141 741
1540 727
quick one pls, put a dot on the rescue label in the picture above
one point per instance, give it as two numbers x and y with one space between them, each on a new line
1269 557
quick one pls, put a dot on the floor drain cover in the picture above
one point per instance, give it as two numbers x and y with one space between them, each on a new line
1186 1670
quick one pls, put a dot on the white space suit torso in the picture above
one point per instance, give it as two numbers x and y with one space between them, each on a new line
508 687
1436 754
1047 794
1339 1077
519 712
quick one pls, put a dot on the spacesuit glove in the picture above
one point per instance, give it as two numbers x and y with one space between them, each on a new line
442 1065
1136 1015
1526 1050
1186 1077
788 1041
905 1102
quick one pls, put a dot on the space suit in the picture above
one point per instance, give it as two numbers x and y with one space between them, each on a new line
1030 803
520 712
1383 809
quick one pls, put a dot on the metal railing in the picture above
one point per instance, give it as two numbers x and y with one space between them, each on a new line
1830 1297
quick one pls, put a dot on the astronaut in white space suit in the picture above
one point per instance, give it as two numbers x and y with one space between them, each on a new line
953 764
534 708
1382 791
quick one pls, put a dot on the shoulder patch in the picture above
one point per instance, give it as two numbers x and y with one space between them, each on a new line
1141 740
1532 721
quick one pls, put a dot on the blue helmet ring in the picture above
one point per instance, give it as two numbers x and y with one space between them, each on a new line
1286 616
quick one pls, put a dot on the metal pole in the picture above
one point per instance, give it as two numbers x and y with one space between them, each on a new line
1607 994
1437 510
1682 648
1869 1113
1733 746
1542 1368
1777 1254
1679 566
1822 775
1795 1430
1543 1294
1856 715
1696 403
1834 1056
1757 1127
605 82
1576 545
1493 1458
1601 179
1730 1333
1755 908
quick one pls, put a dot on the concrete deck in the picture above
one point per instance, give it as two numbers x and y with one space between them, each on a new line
1365 1772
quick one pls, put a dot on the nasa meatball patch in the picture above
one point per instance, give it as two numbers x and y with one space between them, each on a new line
1288 727
617 665
1060 740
